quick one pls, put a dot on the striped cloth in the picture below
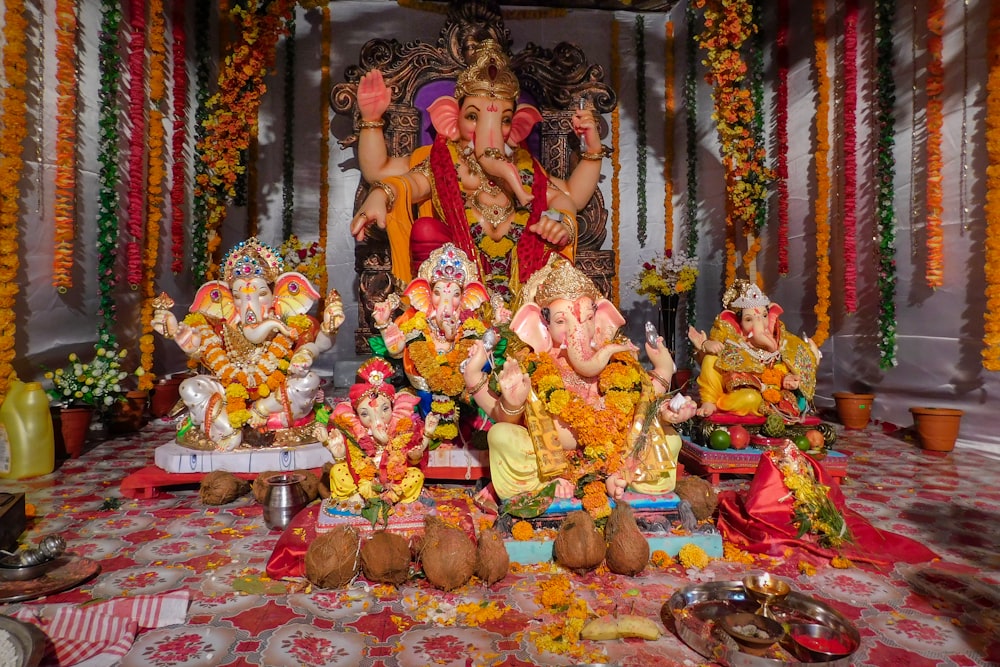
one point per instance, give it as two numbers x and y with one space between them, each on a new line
100 634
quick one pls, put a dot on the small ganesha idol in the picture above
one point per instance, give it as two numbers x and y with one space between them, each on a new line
251 334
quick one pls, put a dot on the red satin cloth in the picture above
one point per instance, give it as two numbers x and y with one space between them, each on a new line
759 522
289 556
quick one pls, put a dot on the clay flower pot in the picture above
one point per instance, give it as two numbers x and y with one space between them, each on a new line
937 428
854 410
165 395
74 424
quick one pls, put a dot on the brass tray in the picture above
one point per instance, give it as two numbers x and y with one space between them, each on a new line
694 610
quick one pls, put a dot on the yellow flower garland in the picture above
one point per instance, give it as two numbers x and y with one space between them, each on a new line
991 334
821 157
13 131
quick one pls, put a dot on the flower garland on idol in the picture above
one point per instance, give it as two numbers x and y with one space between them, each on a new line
934 85
65 179
199 204
885 171
728 24
13 130
156 179
233 118
179 138
813 512
640 139
991 337
137 141
668 137
821 210
781 132
108 199
850 157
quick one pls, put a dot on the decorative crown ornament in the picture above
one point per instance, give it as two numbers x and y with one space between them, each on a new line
373 381
559 279
489 75
744 294
447 263
252 259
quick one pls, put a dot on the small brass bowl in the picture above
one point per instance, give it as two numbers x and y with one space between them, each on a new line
814 642
766 589
752 632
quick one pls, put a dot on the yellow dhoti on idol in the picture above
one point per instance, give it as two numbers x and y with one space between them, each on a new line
343 486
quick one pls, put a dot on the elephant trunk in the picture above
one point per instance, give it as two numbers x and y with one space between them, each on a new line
581 357
258 333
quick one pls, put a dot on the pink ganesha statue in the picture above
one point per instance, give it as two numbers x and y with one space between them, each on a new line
251 333
586 413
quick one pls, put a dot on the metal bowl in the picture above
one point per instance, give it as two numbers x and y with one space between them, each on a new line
754 633
815 642
9 571
28 641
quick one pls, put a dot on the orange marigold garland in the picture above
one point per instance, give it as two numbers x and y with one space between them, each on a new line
822 206
65 194
13 130
616 164
935 101
137 141
991 337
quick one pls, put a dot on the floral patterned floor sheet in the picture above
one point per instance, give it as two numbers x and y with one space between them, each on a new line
943 613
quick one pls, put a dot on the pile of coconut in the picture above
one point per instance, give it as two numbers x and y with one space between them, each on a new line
580 545
448 556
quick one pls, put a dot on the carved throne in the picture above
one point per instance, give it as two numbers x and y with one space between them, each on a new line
555 80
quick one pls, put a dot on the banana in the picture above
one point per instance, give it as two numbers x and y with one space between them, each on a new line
608 627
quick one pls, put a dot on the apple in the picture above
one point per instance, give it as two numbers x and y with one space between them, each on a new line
739 437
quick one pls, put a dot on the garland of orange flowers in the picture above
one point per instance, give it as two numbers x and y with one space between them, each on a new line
233 119
668 138
850 158
616 166
65 195
991 334
441 371
137 141
935 93
822 207
179 138
406 435
324 144
13 130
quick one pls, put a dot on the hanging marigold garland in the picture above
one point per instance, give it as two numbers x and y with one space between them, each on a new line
288 144
640 124
850 157
65 192
821 210
137 141
178 185
935 101
616 164
991 337
108 149
199 204
668 137
13 130
885 172
233 118
324 145
781 133
728 24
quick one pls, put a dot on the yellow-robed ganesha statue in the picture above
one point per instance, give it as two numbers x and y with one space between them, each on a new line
251 332
586 413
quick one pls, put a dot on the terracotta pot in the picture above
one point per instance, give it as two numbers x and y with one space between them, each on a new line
165 395
937 428
854 410
129 414
74 424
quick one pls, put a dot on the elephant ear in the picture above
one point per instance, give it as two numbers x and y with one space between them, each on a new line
773 312
404 405
474 295
607 321
444 116
293 294
346 414
419 294
214 299
525 118
530 327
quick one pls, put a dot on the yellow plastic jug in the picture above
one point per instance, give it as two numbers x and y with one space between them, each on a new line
27 441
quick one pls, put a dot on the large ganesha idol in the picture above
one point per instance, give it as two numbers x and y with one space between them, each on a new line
446 316
752 366
251 334
587 419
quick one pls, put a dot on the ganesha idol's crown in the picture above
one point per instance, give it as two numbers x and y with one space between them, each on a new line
559 279
489 76
252 259
744 294
447 263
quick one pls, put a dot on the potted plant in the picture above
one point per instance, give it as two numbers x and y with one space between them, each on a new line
937 428
663 280
82 388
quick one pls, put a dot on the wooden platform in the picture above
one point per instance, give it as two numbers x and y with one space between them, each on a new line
712 463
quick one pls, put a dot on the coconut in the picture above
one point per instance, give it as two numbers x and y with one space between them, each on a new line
699 494
310 484
220 488
492 561
579 546
447 554
332 559
628 549
385 558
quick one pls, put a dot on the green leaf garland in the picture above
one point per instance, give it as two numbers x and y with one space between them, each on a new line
288 155
691 125
885 170
640 103
203 56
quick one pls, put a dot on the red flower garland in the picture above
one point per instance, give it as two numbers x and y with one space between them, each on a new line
850 158
177 186
935 89
137 141
781 134
65 194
